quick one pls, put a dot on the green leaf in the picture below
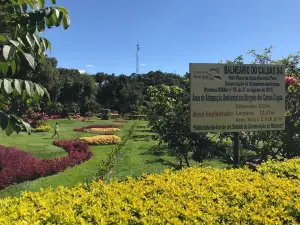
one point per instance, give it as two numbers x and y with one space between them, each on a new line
49 11
47 94
37 41
15 43
30 60
41 26
14 2
56 13
20 2
48 45
53 1
9 129
66 21
7 86
63 9
13 66
1 81
36 96
28 89
16 123
31 85
4 67
39 90
30 41
24 7
2 38
3 120
25 96
30 3
42 3
18 62
27 127
18 86
6 50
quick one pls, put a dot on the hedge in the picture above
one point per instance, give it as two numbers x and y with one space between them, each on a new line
190 196
289 168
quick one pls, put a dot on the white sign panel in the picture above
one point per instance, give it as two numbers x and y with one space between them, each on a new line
234 98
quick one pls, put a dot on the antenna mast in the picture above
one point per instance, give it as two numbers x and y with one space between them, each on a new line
137 58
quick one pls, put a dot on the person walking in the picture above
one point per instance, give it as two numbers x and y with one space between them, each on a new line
55 130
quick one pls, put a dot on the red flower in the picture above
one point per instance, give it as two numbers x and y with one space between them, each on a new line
290 80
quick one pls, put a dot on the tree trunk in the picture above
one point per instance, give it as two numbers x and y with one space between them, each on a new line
186 160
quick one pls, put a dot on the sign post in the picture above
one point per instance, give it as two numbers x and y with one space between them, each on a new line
236 98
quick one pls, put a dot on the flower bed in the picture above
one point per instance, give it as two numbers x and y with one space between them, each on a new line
101 140
83 129
103 130
190 196
17 166
42 128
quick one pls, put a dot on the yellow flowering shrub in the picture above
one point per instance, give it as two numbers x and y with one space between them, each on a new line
289 168
101 140
191 196
42 128
102 130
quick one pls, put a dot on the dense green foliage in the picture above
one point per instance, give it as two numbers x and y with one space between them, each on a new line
21 22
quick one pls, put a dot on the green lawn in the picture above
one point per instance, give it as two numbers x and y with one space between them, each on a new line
140 155
143 155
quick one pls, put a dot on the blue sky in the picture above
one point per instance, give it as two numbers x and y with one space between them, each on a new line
172 33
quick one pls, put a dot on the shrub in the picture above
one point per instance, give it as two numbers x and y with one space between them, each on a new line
44 116
35 119
42 128
101 140
54 117
190 196
77 116
289 168
17 166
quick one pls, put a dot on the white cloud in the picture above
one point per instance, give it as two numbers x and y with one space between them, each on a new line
143 64
81 71
89 66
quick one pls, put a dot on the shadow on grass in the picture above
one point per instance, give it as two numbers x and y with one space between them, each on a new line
142 137
163 162
155 151
143 131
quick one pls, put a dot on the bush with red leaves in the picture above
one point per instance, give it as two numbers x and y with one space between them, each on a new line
95 126
54 117
17 166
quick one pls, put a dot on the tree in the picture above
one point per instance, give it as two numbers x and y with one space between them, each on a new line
19 42
276 144
168 115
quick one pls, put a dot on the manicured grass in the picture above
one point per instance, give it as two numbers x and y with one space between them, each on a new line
40 145
143 155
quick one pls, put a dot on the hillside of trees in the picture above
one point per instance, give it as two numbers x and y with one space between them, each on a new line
81 93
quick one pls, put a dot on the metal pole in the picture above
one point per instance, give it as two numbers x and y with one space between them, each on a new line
236 149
